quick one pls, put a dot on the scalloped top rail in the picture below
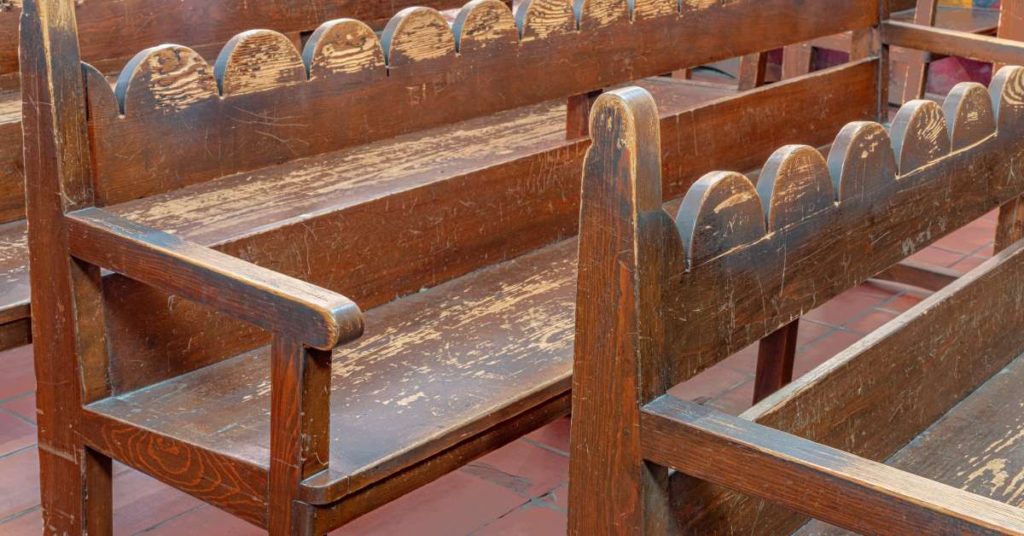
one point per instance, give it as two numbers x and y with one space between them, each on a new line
866 165
750 258
174 119
111 31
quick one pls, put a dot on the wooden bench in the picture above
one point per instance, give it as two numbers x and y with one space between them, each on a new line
423 174
910 67
111 31
936 391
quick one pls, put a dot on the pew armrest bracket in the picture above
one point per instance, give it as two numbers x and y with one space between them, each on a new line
278 303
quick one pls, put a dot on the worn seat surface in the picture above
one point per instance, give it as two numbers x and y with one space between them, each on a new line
977 446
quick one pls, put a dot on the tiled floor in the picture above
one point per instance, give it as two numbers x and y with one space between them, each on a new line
519 489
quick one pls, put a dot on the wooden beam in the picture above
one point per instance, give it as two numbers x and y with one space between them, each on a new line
834 486
953 43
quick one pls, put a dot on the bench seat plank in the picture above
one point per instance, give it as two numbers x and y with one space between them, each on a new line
433 369
977 446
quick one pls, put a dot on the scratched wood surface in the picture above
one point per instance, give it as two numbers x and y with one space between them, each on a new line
755 255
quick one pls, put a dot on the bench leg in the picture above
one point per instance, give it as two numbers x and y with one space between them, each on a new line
775 356
1011 224
76 494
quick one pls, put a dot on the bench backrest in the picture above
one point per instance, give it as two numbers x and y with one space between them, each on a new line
661 298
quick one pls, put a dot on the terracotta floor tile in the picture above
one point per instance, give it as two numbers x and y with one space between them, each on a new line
522 467
822 351
15 433
204 520
849 304
28 524
24 407
968 239
530 520
710 384
19 483
735 401
969 263
17 375
937 257
743 361
871 321
141 502
559 497
554 435
901 303
455 504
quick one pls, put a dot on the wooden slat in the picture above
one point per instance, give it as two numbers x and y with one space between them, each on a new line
272 301
927 360
171 138
834 486
953 43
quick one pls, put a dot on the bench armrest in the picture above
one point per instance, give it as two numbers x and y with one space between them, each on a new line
278 303
953 43
826 483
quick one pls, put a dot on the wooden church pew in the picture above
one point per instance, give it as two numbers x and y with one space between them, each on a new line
662 297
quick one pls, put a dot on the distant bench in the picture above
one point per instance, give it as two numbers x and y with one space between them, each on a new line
430 175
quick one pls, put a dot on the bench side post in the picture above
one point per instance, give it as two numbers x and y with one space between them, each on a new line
70 354
1011 215
299 429
625 240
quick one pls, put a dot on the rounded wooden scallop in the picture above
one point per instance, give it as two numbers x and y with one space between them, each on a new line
258 60
343 46
540 19
919 135
794 185
417 34
861 163
165 77
968 111
719 212
483 24
592 14
101 99
1007 94
650 9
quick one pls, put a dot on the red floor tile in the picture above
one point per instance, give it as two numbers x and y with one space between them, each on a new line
969 263
559 497
710 384
849 304
19 483
455 504
27 524
937 257
530 520
15 433
554 435
24 406
735 401
871 321
204 520
17 376
522 467
822 351
141 502
902 303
